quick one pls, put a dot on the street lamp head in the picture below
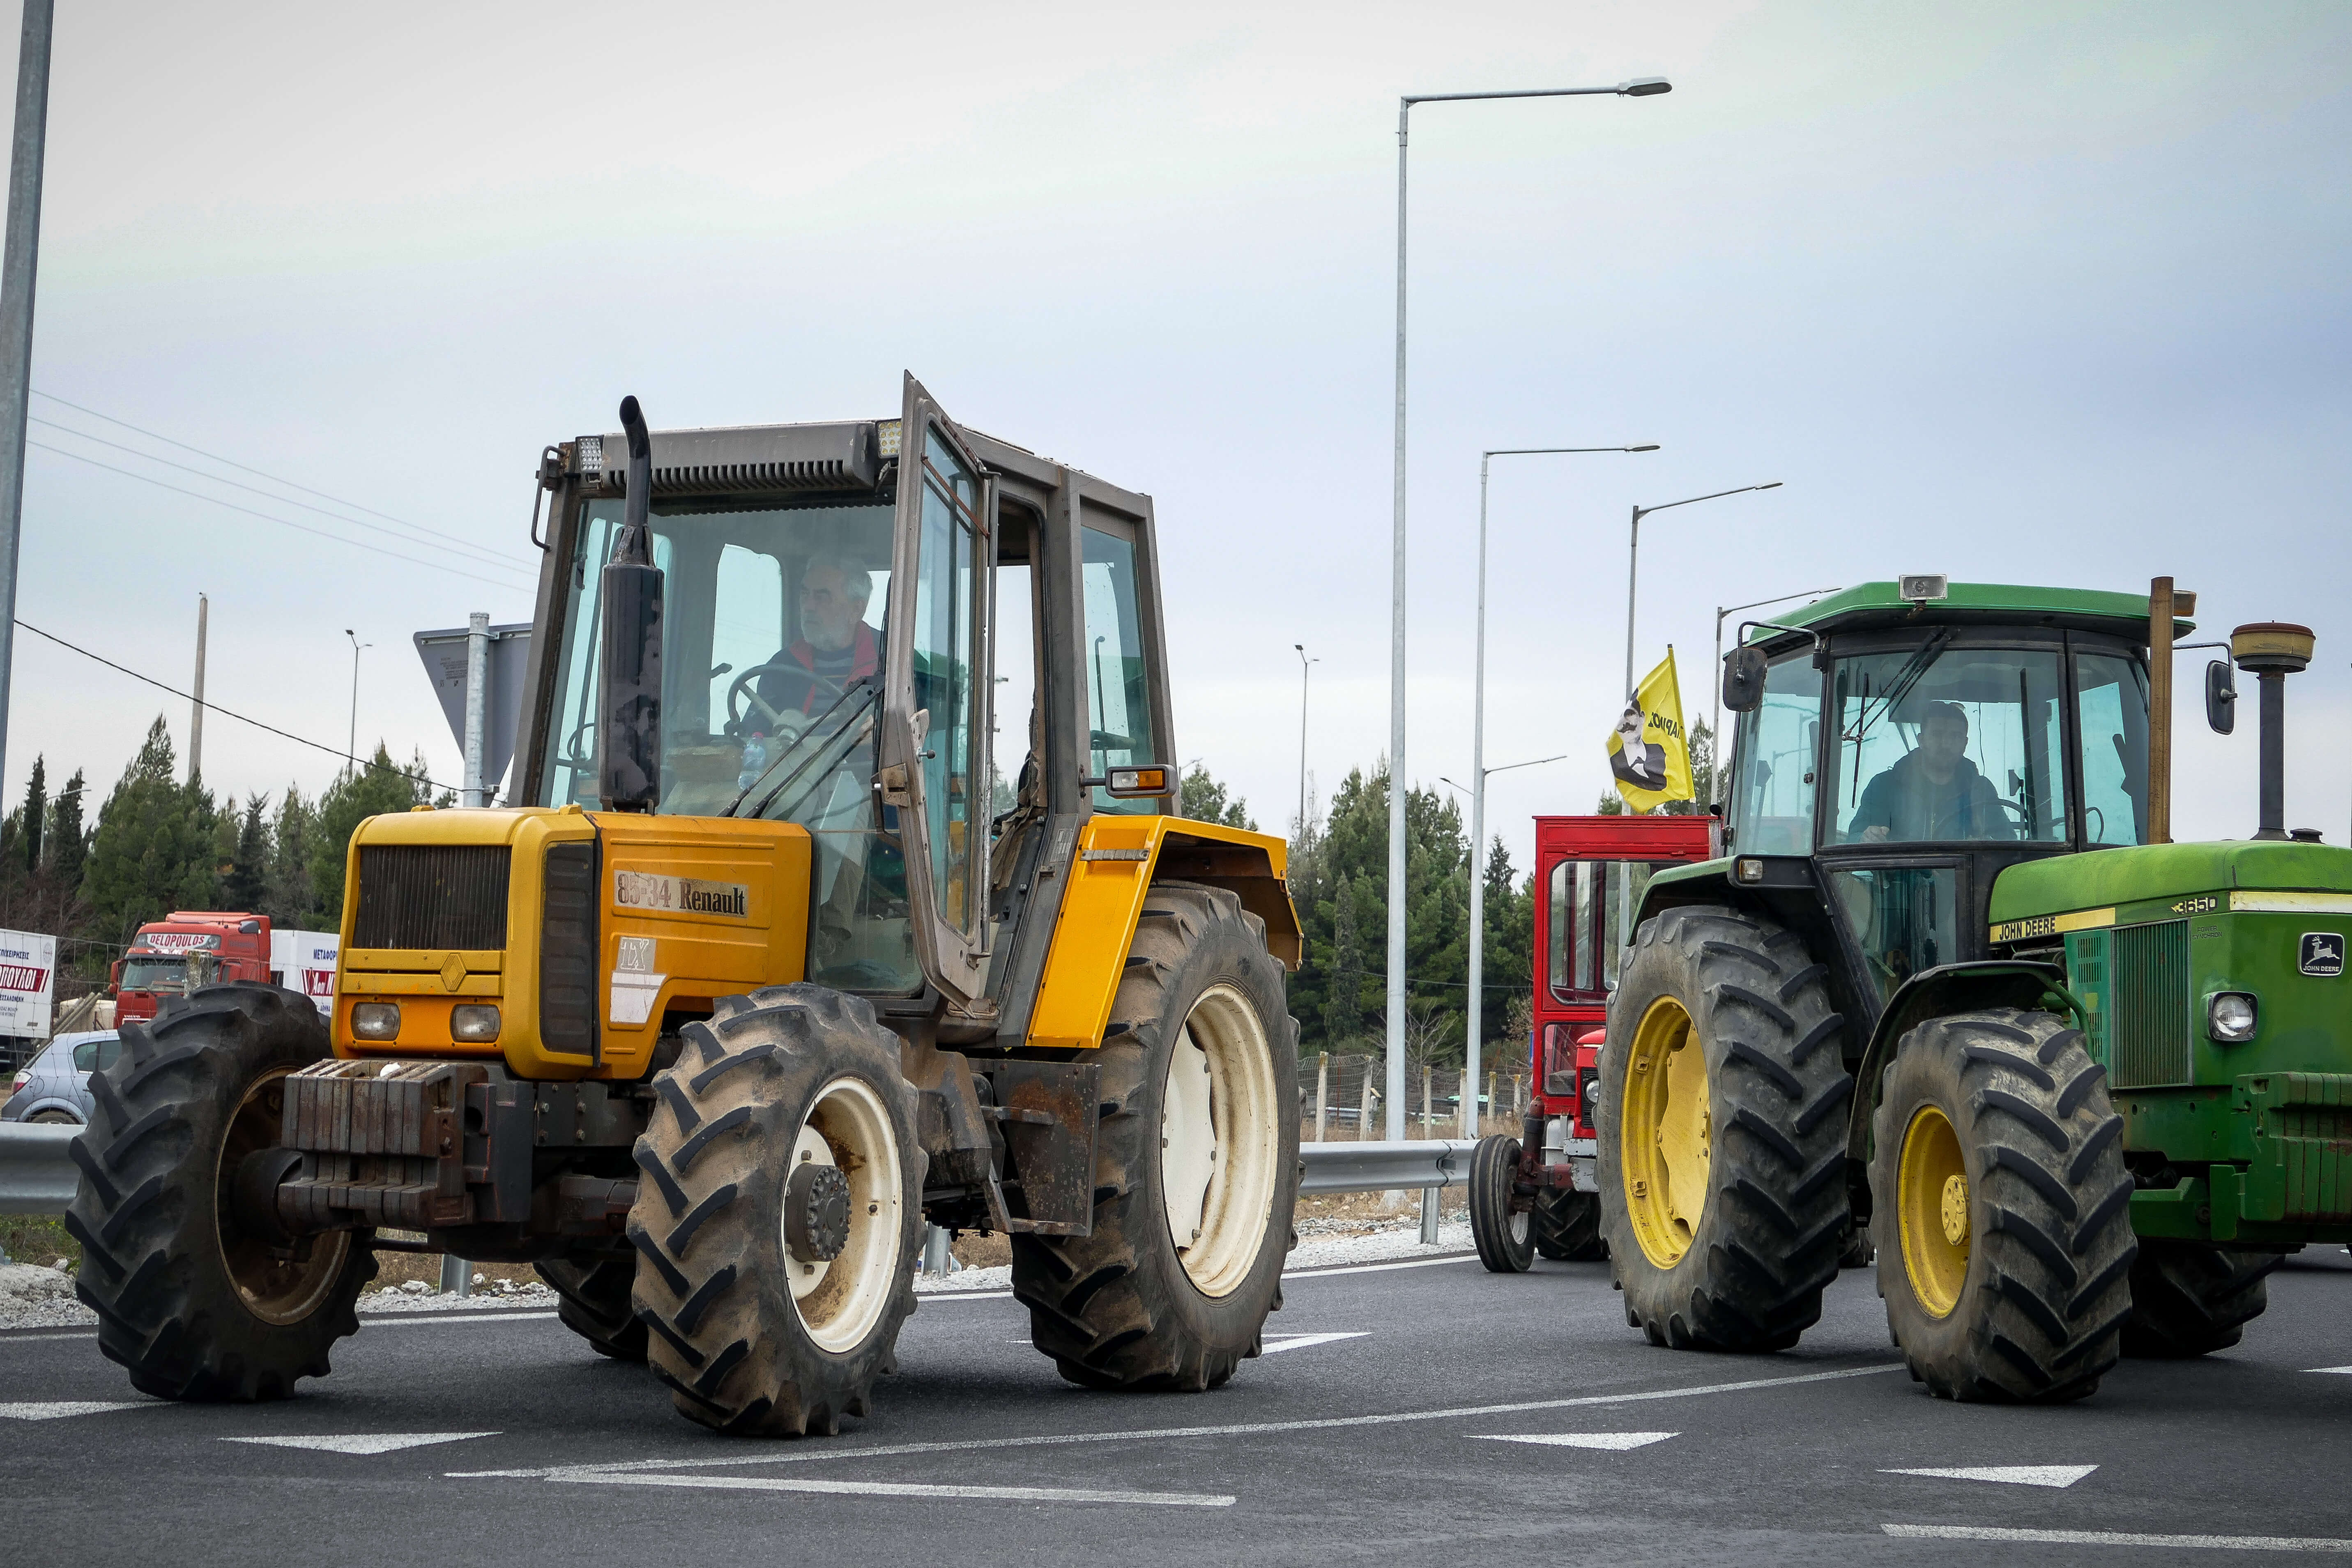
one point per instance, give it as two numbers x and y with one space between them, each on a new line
1645 86
1651 447
1774 486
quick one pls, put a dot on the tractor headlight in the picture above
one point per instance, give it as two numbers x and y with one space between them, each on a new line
474 1022
2229 1016
376 1020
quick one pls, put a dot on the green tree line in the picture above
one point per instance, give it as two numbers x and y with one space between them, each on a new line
159 842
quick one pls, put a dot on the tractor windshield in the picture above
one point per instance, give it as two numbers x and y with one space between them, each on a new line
1937 744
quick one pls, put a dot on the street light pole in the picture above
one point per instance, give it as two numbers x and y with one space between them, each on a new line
1304 663
1478 771
17 277
1714 725
1643 86
351 747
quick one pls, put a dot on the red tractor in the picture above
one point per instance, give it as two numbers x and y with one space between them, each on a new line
1536 1193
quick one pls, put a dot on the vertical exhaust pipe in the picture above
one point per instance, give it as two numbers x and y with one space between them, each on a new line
628 729
2159 709
2271 651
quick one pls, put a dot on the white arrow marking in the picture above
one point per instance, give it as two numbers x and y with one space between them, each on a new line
1301 1341
2012 1475
2118 1538
365 1442
2347 1370
901 1489
1617 1441
50 1409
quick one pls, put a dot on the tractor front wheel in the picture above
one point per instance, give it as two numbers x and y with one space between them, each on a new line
1196 1162
1504 1234
2000 1208
2191 1300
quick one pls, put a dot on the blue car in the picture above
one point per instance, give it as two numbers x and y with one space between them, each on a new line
56 1087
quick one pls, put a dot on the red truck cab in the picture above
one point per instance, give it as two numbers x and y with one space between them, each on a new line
187 948
1536 1193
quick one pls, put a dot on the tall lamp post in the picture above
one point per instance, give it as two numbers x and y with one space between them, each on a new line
1714 725
1479 772
351 747
1643 86
1305 664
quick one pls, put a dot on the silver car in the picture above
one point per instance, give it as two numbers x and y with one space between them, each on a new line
55 1086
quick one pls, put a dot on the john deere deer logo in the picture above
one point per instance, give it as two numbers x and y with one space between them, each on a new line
2323 952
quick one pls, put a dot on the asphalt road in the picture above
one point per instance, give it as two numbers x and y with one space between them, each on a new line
1422 1413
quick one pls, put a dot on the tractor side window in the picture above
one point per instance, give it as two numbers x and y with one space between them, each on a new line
1118 691
1566 939
1938 745
747 627
2111 696
1773 763
947 656
1906 919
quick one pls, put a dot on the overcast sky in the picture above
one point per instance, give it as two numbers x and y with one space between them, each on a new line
2021 293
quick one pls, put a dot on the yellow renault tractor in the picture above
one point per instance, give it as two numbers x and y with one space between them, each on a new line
835 893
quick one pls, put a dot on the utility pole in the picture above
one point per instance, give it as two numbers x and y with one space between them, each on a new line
24 243
478 701
1305 664
351 747
197 712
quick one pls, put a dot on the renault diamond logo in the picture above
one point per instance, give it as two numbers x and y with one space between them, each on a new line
2323 952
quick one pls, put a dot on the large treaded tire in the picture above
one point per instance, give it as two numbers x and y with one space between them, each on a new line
1567 1227
1775 1216
1507 1243
2191 1300
2046 1287
713 1275
1116 1308
592 1300
151 1214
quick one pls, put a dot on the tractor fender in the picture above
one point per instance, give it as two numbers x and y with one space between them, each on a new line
1933 994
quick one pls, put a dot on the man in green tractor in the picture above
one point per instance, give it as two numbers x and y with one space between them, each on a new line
1952 988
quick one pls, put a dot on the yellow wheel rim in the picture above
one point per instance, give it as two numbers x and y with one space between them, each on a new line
1665 1131
1931 1205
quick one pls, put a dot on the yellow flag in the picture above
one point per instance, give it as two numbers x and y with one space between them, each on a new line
1649 755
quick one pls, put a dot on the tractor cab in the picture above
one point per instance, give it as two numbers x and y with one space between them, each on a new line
1899 753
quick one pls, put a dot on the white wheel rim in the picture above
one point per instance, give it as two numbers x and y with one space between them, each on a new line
840 1299
1220 1142
1521 1223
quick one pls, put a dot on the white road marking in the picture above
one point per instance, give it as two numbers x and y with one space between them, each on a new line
901 1489
1383 1267
2117 1538
405 1322
1616 1442
2011 1475
2347 1370
51 1409
363 1442
37 1339
1276 1342
922 1296
1235 1429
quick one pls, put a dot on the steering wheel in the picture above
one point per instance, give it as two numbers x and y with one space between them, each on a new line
2024 817
779 727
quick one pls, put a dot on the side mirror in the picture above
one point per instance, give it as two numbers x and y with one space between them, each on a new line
1743 679
628 734
2221 697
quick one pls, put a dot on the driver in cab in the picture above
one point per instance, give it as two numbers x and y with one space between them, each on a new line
1932 792
836 646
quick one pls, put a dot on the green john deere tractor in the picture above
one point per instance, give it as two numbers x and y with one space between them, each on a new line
1952 988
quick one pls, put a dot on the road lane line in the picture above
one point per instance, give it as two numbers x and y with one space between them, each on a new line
411 1320
362 1443
900 1490
1235 1430
1292 1274
1613 1442
2060 1476
2117 1538
53 1409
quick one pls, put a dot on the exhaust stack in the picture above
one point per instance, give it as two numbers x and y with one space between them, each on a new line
2271 651
628 729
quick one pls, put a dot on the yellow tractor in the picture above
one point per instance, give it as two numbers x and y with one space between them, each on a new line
786 942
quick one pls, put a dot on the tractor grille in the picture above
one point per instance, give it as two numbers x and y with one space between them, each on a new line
2149 1046
431 896
567 952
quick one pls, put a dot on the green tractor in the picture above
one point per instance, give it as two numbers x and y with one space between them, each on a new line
1951 991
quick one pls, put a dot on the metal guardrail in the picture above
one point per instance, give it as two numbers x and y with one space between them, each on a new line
38 1174
1381 1167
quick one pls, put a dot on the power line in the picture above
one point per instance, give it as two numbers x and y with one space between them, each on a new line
487 558
284 522
216 708
247 468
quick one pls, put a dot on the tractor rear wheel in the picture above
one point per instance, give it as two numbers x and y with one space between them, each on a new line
1196 1162
1505 1237
1567 1227
2188 1298
1722 1133
780 1209
196 1308
2000 1208
592 1300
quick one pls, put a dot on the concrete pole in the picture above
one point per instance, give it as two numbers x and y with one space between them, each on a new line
478 702
1474 1004
1396 1034
1322 1092
16 270
196 711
